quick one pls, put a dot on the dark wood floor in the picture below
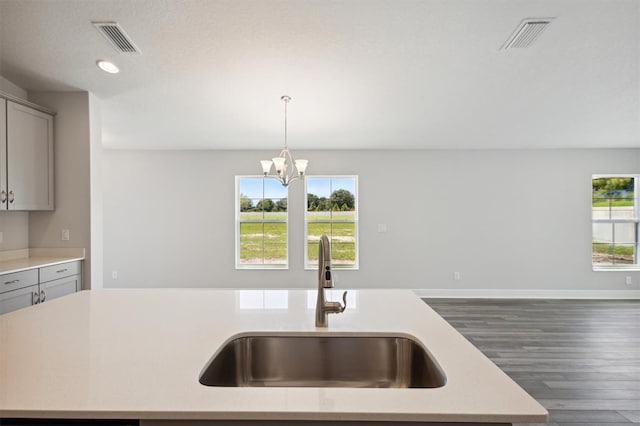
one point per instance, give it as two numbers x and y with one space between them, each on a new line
578 358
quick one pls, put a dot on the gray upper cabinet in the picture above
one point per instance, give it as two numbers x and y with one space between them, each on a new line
26 158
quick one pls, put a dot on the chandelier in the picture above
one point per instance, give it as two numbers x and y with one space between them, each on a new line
284 163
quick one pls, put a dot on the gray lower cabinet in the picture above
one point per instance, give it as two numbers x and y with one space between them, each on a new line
17 299
21 289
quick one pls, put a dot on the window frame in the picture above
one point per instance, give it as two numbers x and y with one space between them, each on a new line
238 222
314 267
634 220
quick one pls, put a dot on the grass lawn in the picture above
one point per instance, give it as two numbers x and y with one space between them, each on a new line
617 202
266 243
263 243
611 249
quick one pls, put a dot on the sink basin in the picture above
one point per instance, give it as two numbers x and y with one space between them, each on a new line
323 361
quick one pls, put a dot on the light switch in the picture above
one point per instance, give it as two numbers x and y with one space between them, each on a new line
382 227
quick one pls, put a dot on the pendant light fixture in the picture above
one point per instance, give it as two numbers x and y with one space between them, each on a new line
284 164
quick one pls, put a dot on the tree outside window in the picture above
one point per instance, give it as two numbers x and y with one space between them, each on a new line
332 210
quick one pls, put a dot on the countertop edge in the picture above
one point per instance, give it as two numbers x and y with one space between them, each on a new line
23 260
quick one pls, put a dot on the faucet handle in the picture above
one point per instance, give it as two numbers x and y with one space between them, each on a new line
344 299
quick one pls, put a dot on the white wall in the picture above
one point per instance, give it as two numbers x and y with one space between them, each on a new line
516 220
72 177
13 225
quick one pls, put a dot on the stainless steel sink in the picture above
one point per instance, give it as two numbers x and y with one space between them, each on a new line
323 361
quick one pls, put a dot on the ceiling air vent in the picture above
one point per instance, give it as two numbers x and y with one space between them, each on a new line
116 36
527 32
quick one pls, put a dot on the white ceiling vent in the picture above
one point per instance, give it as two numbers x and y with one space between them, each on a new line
526 33
117 37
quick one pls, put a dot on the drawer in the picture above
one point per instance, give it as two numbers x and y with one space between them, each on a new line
61 270
18 280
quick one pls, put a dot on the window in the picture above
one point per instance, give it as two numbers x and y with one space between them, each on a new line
615 216
332 210
261 223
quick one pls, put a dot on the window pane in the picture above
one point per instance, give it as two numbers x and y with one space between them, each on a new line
602 254
343 253
623 254
275 233
319 215
343 232
316 230
251 242
274 189
603 233
613 197
262 242
312 253
275 254
624 233
332 211
319 186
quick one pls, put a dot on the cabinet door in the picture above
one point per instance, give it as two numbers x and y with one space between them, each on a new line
3 154
29 158
58 288
17 299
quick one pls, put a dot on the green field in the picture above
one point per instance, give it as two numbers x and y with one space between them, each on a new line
263 243
611 249
616 202
266 243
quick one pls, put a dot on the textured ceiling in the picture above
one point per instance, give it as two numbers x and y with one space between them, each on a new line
376 74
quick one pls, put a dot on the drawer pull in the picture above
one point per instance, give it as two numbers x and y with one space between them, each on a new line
43 296
11 282
3 196
11 197
59 271
35 298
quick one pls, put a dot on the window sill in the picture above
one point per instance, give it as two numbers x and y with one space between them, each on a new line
261 267
632 268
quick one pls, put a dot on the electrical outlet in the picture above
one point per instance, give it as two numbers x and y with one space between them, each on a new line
456 276
628 280
1 237
114 275
65 235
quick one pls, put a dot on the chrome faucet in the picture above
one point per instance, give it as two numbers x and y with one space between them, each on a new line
325 280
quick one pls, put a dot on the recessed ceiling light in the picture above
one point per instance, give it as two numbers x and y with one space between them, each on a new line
107 66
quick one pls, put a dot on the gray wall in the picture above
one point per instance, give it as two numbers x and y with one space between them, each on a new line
517 220
72 177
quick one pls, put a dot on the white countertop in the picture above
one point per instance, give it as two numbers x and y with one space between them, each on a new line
21 260
138 353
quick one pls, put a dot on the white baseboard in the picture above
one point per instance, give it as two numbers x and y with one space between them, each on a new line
437 293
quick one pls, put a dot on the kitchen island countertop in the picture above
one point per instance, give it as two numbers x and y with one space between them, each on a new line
137 354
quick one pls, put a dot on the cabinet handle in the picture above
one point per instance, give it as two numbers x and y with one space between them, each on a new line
3 196
35 298
43 296
59 271
11 282
11 196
